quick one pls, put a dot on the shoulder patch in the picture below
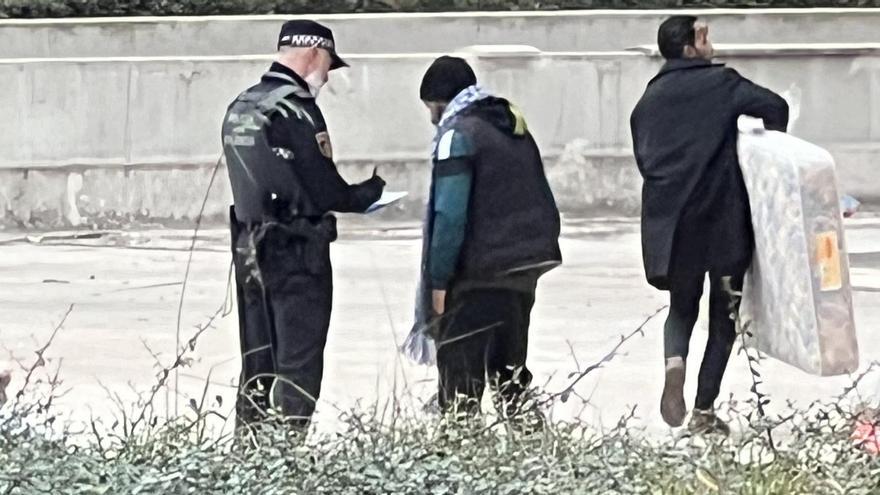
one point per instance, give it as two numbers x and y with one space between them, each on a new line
324 144
520 127
453 144
444 148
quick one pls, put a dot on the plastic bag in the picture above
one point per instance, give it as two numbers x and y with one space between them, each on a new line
420 347
849 205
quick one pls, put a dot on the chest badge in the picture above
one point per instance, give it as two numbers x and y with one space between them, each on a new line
324 144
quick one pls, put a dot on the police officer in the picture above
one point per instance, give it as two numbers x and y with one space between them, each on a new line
284 184
491 232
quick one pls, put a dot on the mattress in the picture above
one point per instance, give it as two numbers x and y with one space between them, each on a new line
797 299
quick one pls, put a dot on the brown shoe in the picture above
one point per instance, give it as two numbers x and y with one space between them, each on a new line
707 423
672 406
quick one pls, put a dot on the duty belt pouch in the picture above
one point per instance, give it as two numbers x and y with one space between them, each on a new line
317 250
327 227
313 242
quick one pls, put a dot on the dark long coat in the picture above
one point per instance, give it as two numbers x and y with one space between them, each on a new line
695 209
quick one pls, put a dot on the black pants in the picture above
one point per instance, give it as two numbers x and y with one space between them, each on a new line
485 333
685 295
285 293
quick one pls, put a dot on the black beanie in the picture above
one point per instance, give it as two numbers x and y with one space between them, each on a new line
446 78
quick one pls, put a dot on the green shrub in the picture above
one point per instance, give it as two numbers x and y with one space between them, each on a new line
402 450
421 456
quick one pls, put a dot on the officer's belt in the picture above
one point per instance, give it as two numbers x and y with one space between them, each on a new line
324 230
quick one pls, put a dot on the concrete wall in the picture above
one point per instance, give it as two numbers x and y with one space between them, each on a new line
167 111
96 140
413 33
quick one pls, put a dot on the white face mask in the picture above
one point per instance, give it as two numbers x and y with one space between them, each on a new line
315 82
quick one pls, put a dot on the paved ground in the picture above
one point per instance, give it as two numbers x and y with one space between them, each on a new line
125 288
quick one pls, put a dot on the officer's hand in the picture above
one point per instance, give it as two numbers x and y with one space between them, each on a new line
376 177
439 301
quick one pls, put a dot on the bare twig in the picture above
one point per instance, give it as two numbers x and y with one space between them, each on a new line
469 334
858 380
40 360
743 331
394 335
639 331
98 439
573 355
570 389
192 248
164 374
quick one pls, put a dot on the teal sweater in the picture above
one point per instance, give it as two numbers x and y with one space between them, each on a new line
452 182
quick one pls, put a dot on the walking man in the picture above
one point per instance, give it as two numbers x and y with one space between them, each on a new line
695 209
491 231
284 184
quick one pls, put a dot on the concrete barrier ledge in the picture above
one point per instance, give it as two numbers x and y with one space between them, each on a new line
562 14
596 183
352 58
422 32
586 182
779 49
498 51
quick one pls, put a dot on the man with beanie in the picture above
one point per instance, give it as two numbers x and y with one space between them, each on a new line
491 231
284 186
695 208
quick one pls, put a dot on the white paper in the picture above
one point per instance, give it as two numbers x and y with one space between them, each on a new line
388 197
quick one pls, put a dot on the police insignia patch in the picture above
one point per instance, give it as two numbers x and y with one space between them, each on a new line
324 144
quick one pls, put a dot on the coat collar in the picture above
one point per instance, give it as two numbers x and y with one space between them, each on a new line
282 72
678 64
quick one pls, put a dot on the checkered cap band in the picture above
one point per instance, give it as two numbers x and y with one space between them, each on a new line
307 40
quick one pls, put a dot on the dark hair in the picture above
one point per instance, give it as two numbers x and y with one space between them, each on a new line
445 78
674 34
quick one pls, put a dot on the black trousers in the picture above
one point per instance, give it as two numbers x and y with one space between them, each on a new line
484 335
285 294
685 294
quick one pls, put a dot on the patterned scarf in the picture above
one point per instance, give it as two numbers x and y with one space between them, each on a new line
467 97
419 345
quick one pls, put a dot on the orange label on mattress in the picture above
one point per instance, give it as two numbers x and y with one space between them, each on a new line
828 259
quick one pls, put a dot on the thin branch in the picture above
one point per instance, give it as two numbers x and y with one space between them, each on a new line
40 361
858 380
164 374
192 248
550 398
639 331
760 398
